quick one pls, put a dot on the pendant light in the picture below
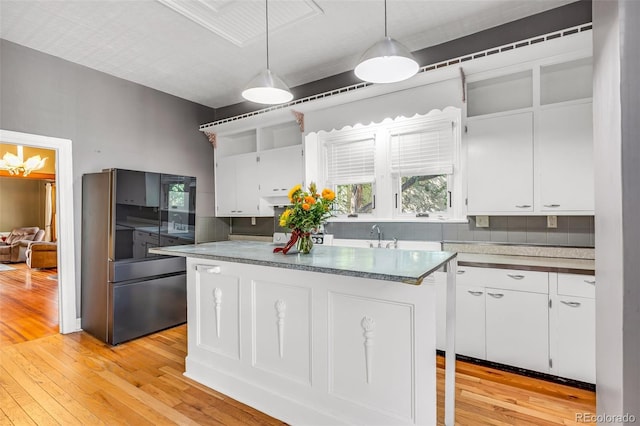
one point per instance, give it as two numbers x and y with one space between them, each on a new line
387 61
266 87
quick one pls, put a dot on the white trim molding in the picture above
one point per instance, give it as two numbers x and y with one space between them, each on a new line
64 208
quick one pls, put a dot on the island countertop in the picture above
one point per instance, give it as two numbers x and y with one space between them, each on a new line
407 266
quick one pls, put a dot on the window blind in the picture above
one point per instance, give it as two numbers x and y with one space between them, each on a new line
351 162
426 152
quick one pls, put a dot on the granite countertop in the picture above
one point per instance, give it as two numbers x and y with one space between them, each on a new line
532 263
407 266
575 260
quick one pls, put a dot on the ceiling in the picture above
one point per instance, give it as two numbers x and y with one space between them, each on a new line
207 50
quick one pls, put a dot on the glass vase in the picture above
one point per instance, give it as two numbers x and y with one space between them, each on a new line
304 244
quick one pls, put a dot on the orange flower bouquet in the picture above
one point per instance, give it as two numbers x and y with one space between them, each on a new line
308 211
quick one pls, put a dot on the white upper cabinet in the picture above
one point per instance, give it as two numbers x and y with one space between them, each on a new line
565 158
530 142
255 169
280 169
237 185
281 163
500 164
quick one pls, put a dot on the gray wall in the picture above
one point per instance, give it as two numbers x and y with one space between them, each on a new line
616 97
111 122
22 202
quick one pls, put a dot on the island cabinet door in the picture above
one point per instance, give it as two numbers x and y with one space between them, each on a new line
372 353
214 324
281 329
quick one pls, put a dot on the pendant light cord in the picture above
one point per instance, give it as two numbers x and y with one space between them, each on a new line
385 18
266 18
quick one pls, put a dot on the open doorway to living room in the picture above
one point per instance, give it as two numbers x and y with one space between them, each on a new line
37 286
28 246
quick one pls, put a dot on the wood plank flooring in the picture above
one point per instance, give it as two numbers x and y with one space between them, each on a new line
76 379
28 304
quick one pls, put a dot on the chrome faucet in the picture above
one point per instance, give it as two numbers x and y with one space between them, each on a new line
393 244
377 228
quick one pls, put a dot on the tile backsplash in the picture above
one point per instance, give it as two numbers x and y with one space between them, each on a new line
573 231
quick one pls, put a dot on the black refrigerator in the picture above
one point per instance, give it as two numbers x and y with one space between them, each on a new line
126 292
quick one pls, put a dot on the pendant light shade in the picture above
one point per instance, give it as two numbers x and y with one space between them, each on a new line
387 61
266 87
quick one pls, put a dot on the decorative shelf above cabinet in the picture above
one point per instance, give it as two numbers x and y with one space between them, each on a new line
566 81
499 94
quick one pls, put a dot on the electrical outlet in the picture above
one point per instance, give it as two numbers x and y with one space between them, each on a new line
253 221
552 221
482 221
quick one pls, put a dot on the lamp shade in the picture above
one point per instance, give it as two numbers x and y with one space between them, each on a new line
267 88
387 61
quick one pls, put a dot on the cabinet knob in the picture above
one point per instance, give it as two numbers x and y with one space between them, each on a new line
523 206
571 304
552 205
460 271
592 282
496 295
474 293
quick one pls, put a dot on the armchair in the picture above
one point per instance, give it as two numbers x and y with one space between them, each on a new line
42 254
15 247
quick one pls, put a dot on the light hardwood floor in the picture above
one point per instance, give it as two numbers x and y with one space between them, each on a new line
28 304
76 379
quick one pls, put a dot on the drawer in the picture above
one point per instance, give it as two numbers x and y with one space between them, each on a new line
469 276
577 285
508 279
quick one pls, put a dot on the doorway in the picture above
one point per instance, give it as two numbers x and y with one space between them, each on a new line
68 320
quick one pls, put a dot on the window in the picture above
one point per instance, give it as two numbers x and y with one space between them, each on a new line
351 173
422 169
423 194
177 196
398 169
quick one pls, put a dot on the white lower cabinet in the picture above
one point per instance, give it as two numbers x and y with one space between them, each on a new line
517 328
502 316
540 321
470 324
573 327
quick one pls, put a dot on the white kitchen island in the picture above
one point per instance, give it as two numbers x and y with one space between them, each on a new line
340 336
